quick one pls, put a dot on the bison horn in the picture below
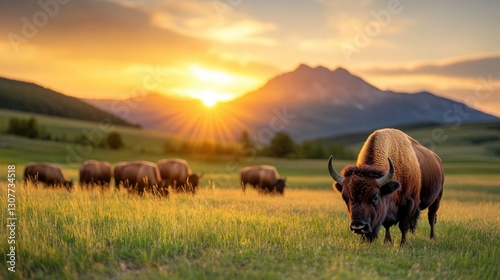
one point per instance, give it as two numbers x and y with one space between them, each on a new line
335 175
387 177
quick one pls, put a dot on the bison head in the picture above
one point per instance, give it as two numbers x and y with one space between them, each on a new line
280 185
193 180
365 191
68 185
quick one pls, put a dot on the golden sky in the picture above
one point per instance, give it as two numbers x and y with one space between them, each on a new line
216 50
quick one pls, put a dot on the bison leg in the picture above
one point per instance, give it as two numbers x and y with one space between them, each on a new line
404 230
387 238
139 187
164 191
432 213
414 220
140 191
406 216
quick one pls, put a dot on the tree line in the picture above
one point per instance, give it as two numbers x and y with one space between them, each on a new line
30 128
283 146
280 146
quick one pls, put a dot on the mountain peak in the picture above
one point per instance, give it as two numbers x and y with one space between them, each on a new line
321 70
341 70
424 93
303 67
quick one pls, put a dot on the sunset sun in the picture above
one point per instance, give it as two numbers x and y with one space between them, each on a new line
212 86
209 100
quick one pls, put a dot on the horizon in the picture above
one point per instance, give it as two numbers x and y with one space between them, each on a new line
217 51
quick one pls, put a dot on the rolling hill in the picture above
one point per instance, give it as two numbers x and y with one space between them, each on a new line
306 103
29 97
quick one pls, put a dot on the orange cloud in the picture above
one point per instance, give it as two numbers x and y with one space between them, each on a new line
104 49
204 20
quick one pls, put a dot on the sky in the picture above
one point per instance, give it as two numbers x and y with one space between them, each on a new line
216 50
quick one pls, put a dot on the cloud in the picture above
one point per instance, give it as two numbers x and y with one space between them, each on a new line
100 30
153 32
212 20
88 47
346 18
471 68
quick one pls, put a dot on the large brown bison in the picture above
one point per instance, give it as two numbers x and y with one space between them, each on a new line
51 175
93 172
140 176
177 173
265 178
375 198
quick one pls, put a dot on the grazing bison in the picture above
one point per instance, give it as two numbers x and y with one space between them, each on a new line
375 198
93 172
140 176
51 175
263 177
178 174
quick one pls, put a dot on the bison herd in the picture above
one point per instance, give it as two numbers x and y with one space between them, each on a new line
138 176
374 197
145 176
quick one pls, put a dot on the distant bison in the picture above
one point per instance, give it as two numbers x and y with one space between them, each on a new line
51 175
140 176
265 178
93 172
375 198
178 174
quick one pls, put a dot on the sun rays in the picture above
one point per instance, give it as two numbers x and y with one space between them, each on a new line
199 124
212 119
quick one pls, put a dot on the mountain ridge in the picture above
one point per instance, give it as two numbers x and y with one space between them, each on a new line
342 102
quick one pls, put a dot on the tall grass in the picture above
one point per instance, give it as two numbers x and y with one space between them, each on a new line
223 233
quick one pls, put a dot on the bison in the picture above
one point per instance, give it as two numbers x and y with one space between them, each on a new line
178 174
93 172
374 198
263 177
51 175
140 176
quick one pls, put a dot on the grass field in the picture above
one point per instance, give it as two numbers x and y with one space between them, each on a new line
222 233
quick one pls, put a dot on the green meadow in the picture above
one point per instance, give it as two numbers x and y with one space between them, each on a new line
223 233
